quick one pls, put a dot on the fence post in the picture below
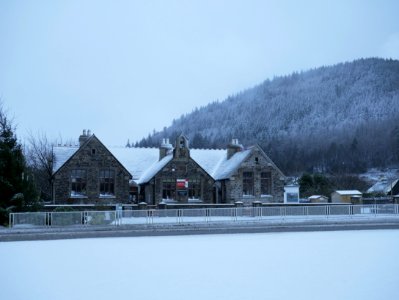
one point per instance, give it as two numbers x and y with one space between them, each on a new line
181 215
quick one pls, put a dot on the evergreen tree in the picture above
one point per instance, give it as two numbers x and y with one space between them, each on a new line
16 189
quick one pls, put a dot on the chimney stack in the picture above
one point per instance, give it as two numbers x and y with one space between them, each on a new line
233 148
165 148
83 138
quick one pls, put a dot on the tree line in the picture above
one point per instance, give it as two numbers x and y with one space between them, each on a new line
339 119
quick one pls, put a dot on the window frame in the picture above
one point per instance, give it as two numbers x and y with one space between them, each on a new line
194 188
78 183
168 188
106 179
248 184
266 183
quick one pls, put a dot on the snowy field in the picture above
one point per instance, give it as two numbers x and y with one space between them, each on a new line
310 265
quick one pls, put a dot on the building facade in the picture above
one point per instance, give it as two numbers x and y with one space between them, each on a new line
93 173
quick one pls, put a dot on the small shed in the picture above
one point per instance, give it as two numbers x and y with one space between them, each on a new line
346 196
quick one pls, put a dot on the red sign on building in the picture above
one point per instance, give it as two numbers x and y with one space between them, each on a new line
181 184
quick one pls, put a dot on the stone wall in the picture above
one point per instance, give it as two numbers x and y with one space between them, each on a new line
180 168
93 156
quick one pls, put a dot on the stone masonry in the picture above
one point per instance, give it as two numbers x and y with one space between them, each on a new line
92 157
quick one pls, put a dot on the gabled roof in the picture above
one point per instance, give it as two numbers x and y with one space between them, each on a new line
147 175
64 154
383 186
226 167
144 163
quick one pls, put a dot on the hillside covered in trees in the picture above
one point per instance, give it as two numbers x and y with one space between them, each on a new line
337 119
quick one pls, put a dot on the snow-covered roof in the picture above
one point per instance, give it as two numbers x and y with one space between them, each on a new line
348 192
316 197
62 154
383 186
227 167
144 163
154 169
136 160
208 159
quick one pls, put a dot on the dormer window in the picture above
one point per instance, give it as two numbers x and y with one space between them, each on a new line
182 143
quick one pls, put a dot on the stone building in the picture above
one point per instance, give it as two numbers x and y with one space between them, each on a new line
169 174
89 174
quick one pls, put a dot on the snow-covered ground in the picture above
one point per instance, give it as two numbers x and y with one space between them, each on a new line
309 265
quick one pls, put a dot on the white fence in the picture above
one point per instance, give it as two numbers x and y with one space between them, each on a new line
204 215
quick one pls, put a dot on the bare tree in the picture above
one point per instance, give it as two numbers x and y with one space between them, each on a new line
41 159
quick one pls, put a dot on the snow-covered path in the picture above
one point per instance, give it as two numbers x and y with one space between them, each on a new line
306 265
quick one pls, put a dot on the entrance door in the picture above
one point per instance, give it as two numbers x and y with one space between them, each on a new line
182 195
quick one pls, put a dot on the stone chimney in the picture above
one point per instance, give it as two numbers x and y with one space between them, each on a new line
165 148
83 138
233 148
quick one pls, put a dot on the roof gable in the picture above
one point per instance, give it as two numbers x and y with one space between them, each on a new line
144 163
383 186
65 154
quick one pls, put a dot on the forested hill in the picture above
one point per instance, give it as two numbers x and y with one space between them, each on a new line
342 118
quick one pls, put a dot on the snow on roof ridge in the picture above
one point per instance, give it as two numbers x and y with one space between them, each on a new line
216 149
142 162
154 169
348 192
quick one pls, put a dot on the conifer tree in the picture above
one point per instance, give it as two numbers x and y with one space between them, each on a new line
16 189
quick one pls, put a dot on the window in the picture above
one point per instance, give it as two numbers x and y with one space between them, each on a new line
107 183
182 142
93 151
266 183
78 183
248 184
168 189
194 188
292 197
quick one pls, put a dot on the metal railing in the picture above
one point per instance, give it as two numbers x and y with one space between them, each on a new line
203 215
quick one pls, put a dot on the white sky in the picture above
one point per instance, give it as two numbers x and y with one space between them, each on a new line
123 68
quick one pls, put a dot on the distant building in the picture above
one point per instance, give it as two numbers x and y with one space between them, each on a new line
346 196
385 187
291 193
93 173
318 199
